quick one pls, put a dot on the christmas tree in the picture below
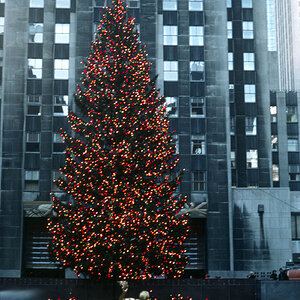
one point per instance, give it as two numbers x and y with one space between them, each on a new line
120 169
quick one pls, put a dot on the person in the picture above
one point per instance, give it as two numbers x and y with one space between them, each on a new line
283 274
144 295
273 275
251 275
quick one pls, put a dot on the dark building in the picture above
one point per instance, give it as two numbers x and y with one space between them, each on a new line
213 59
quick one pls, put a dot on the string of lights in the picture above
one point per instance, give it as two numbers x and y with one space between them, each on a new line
120 169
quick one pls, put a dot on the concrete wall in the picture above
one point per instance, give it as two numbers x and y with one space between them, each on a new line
262 241
295 207
217 135
262 94
12 126
278 290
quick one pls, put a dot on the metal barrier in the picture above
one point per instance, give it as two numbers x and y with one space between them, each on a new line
161 289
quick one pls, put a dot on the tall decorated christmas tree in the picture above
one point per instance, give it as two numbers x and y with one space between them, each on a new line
120 169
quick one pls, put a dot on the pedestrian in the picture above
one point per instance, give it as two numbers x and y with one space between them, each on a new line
283 274
251 275
274 275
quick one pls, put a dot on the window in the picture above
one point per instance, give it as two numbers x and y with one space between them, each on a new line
196 35
198 181
34 110
170 18
196 53
198 144
63 3
61 105
32 137
35 50
35 68
36 32
33 98
172 106
62 33
169 4
170 70
196 5
273 112
252 159
196 70
275 172
32 142
36 3
246 3
57 138
293 144
31 180
250 125
133 3
55 175
61 69
231 92
1 25
229 30
197 107
249 62
295 218
170 53
248 30
58 145
274 141
295 177
230 61
232 125
249 93
175 143
170 35
228 3
232 159
291 113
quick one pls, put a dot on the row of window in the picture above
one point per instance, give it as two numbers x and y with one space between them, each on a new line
248 61
171 70
251 159
36 31
291 114
249 93
194 5
60 107
196 35
245 3
35 68
58 3
197 144
248 32
33 142
197 107
32 178
250 125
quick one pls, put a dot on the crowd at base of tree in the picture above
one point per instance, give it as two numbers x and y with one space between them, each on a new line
121 218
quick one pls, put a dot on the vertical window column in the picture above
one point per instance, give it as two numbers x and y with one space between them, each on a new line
196 35
198 181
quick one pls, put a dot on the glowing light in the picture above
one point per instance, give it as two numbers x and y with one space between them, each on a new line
120 167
